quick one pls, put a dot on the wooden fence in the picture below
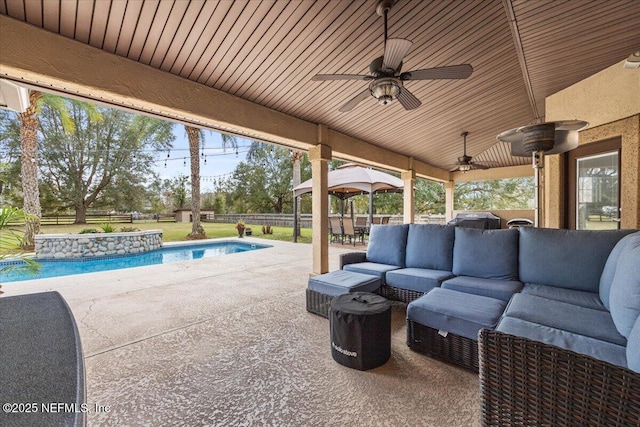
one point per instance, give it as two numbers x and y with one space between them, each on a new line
91 219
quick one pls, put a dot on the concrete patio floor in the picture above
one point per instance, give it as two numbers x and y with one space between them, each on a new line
120 307
124 316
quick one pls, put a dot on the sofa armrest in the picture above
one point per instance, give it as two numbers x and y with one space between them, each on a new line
352 258
526 382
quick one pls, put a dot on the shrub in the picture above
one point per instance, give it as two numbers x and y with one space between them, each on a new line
108 228
129 229
88 231
266 229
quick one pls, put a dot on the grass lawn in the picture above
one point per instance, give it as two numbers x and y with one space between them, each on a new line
177 231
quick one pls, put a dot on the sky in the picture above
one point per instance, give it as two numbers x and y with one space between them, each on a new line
219 164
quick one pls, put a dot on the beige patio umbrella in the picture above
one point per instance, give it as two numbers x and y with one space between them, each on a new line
351 180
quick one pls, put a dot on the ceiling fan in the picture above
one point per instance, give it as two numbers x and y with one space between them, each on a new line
385 72
465 163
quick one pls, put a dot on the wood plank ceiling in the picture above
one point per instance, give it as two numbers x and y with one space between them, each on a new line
267 51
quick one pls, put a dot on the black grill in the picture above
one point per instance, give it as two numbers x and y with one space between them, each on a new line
482 220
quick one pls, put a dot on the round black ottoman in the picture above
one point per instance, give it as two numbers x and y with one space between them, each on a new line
360 325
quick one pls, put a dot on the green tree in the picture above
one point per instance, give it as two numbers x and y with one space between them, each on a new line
264 182
78 169
177 190
512 193
29 124
430 197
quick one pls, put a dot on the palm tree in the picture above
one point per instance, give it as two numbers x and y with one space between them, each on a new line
195 136
29 124
29 162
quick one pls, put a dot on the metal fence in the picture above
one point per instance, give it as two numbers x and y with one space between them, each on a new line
286 220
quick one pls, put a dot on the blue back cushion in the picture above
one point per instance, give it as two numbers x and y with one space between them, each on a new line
625 288
430 246
388 244
633 348
489 254
566 258
610 268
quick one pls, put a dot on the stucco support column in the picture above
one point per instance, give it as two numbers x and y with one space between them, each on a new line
448 200
409 197
319 156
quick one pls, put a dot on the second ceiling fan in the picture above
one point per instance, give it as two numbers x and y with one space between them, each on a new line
385 72
465 163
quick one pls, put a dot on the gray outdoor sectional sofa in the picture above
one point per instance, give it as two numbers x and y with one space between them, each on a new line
557 313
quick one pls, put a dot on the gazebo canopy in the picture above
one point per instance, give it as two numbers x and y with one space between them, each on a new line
351 180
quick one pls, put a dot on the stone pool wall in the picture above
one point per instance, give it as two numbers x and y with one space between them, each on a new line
67 246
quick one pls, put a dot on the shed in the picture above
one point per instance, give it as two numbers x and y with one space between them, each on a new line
184 215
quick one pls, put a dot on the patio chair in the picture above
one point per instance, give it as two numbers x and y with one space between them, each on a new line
350 232
385 220
361 226
335 228
376 220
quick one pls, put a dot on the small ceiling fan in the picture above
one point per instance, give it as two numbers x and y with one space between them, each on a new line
465 163
386 77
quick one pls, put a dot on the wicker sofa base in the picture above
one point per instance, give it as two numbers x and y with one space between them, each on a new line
526 383
453 348
318 303
397 294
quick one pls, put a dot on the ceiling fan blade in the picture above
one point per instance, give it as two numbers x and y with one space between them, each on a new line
324 77
479 166
351 104
408 100
486 163
452 72
394 51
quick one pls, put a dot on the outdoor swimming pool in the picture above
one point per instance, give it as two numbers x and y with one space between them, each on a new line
166 255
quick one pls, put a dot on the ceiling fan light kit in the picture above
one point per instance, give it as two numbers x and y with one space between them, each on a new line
385 90
386 74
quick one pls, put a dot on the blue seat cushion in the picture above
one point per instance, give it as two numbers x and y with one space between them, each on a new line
572 259
489 254
492 288
372 268
610 268
581 298
633 348
430 246
567 317
341 282
625 288
416 279
598 349
456 312
388 244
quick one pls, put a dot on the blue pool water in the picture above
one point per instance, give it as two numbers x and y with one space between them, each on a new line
165 255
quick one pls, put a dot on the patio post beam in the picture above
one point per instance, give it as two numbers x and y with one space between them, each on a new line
448 200
319 157
408 196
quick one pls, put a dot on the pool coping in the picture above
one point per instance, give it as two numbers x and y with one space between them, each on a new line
167 245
